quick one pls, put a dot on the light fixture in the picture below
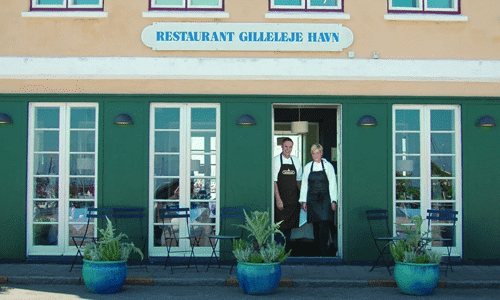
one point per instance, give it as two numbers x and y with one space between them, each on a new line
5 119
123 119
300 126
367 120
486 122
246 120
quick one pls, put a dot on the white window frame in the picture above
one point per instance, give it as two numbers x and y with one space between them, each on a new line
425 171
186 4
63 247
422 7
67 4
184 172
304 7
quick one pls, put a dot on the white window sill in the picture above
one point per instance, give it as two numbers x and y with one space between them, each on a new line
186 14
65 14
308 15
426 17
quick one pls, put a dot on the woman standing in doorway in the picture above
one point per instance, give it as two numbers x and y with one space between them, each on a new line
318 196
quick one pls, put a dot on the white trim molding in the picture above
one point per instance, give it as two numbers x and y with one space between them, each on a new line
307 15
426 17
439 70
186 14
65 14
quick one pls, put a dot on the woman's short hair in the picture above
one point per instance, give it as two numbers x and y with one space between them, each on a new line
315 147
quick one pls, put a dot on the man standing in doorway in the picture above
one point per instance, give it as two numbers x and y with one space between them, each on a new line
287 174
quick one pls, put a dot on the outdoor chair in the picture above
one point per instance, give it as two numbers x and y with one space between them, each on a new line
174 232
378 220
227 215
131 218
446 236
89 236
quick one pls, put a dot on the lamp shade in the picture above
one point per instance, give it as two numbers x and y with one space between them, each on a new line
486 121
246 120
5 119
367 120
300 127
123 119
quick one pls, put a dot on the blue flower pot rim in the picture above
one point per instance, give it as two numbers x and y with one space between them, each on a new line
105 262
414 264
259 264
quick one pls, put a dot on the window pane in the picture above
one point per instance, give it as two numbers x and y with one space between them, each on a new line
86 2
442 120
45 211
203 118
442 143
406 211
323 2
443 166
407 143
46 188
443 189
45 234
82 188
203 189
46 140
407 120
408 189
204 2
167 141
82 164
78 211
408 166
203 165
82 141
202 141
166 165
46 117
49 2
167 188
46 164
169 2
288 2
405 3
167 118
82 118
440 3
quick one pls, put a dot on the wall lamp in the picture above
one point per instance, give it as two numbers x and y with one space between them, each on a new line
367 121
486 122
246 120
5 119
123 119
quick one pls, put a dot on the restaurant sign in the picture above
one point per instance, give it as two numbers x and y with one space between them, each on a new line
180 36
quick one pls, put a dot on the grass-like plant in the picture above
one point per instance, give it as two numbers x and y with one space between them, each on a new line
415 247
110 247
260 249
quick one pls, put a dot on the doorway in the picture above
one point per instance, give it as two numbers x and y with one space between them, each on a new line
324 127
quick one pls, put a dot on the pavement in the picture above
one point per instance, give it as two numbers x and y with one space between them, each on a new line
293 275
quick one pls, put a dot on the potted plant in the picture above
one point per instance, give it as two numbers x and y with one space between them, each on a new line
259 261
417 267
105 262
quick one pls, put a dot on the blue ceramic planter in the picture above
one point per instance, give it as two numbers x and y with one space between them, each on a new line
104 277
416 279
258 279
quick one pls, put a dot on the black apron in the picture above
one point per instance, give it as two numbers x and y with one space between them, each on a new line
289 193
319 206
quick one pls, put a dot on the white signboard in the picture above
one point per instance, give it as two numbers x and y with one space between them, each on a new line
247 36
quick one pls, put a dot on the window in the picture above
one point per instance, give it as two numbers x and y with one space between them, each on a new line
67 4
184 170
427 165
309 5
62 182
187 5
424 6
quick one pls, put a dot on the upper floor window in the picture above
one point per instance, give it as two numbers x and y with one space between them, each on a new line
306 5
424 6
67 4
187 5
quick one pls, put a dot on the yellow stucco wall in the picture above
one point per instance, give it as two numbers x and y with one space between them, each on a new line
120 35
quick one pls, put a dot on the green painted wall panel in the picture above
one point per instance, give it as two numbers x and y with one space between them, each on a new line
481 184
365 176
13 145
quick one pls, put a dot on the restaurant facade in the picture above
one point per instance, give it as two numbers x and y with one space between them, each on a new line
118 103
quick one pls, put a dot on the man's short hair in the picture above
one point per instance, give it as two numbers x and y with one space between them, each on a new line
287 139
